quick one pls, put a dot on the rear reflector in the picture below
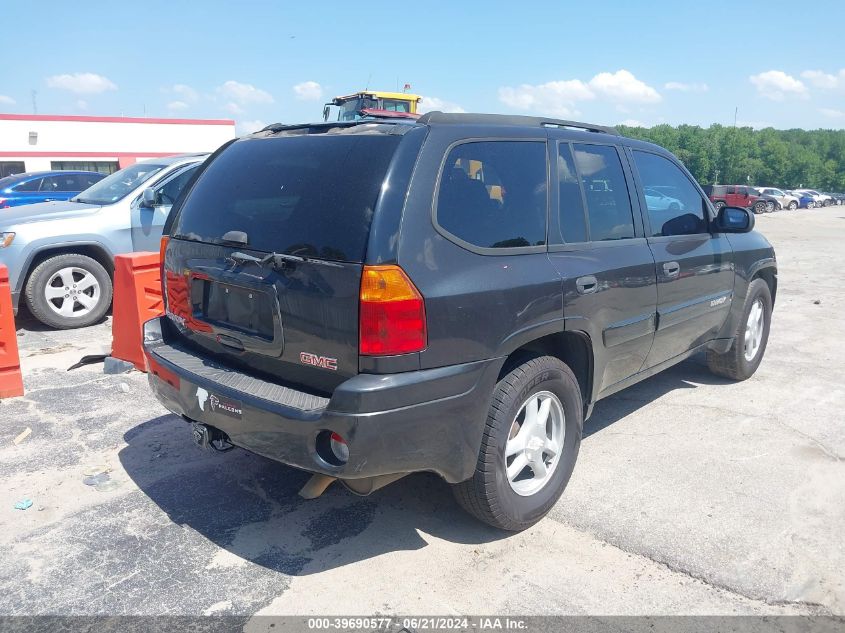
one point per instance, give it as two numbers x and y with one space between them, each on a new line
161 250
392 313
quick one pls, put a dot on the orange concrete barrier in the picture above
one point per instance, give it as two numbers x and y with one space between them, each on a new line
11 380
137 298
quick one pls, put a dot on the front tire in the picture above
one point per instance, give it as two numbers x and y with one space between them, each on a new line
750 339
760 207
69 291
529 446
793 205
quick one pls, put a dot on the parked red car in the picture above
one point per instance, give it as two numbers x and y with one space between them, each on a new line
735 196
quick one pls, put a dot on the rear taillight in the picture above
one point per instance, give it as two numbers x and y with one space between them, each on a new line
4 203
392 313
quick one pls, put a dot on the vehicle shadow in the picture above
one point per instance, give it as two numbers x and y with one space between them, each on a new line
249 506
686 375
25 321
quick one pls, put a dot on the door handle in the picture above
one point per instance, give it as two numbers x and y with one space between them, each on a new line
586 285
671 269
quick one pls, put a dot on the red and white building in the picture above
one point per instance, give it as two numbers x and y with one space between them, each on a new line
39 142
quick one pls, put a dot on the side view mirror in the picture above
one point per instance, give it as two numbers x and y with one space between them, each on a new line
148 198
734 220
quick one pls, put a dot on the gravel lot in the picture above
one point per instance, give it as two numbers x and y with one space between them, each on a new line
691 495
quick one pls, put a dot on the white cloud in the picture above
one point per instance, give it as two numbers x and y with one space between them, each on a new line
81 104
820 79
308 91
560 97
81 83
623 86
233 108
553 97
7 100
185 93
832 113
633 123
430 104
248 127
686 87
777 85
243 94
177 106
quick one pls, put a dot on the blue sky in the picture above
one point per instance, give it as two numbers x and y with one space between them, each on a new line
780 63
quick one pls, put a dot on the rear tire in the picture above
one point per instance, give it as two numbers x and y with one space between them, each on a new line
511 503
719 204
75 282
744 357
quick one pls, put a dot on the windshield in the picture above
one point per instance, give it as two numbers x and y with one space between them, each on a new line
7 181
350 109
120 184
311 196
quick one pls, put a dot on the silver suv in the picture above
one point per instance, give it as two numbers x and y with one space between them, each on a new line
60 254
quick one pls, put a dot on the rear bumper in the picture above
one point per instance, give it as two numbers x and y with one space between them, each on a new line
427 420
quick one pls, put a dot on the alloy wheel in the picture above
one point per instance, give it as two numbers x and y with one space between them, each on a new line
532 452
754 330
72 292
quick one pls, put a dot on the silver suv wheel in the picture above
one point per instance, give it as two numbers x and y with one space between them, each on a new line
72 292
533 448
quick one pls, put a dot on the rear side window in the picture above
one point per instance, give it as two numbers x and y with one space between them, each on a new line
573 224
65 182
304 195
493 194
674 205
608 203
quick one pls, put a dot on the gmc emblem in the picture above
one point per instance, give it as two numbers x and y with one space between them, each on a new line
307 358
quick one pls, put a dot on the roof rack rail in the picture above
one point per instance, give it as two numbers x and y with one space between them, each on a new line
369 119
507 119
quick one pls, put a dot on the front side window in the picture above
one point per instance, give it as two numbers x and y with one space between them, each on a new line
674 205
493 194
608 204
120 184
29 185
167 193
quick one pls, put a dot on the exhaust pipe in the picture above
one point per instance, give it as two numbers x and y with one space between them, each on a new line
368 485
316 486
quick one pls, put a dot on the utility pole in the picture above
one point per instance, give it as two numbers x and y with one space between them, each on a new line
35 102
736 111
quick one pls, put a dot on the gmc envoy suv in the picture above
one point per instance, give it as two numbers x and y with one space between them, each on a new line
366 299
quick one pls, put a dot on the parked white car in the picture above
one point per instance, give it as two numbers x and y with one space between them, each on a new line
783 199
659 201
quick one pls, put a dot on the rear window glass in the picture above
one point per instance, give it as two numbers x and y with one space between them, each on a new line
308 195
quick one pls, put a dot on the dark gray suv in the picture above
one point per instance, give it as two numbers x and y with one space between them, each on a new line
363 300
